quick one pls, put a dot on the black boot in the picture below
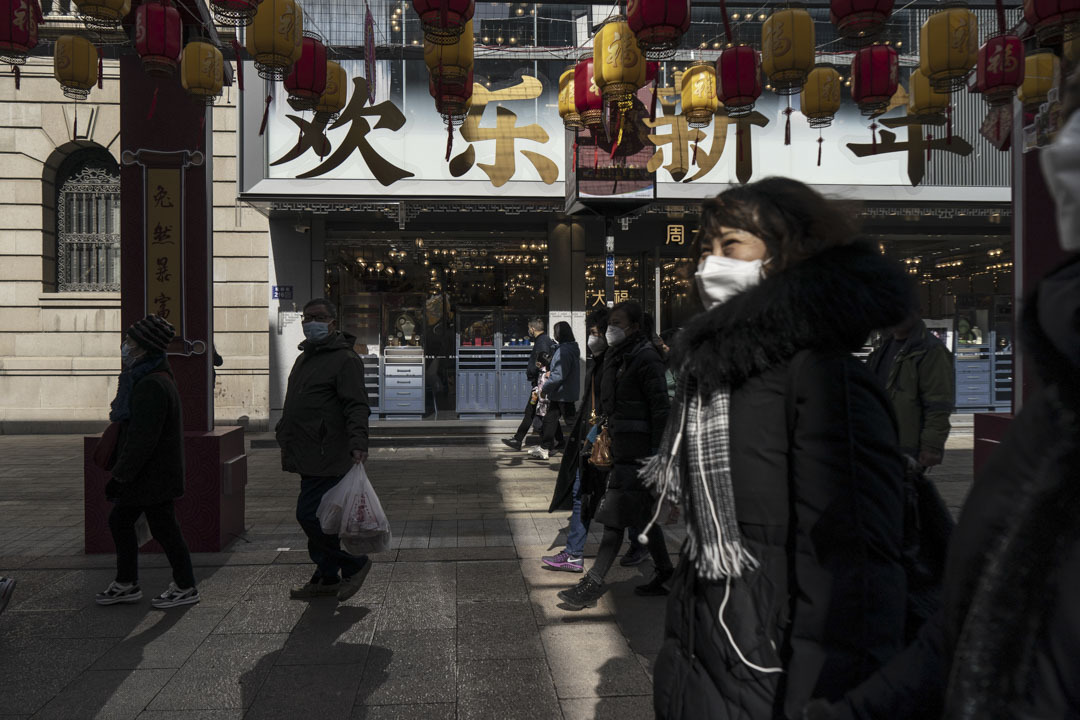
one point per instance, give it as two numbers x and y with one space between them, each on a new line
655 587
584 594
512 443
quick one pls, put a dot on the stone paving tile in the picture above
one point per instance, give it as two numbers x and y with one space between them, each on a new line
490 580
608 708
191 715
418 606
325 692
330 634
498 690
406 667
263 609
593 660
437 573
162 639
115 694
225 672
440 711
497 630
35 674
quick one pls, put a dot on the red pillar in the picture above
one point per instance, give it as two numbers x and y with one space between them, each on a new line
167 268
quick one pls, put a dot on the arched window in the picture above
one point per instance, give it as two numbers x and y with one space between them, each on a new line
88 225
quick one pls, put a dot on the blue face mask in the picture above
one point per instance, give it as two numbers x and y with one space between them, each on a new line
316 331
128 357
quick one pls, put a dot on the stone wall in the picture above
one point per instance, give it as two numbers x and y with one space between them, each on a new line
59 352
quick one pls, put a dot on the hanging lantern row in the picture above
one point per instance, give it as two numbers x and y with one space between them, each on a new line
787 49
875 76
202 71
1042 73
820 98
159 37
1050 19
444 21
699 103
103 14
999 70
306 81
924 102
619 68
949 48
567 107
738 80
19 20
275 38
658 25
333 99
587 98
860 20
75 66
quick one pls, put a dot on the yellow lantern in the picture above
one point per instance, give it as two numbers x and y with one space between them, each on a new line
567 109
949 48
924 102
450 65
699 102
202 71
334 97
275 37
75 65
1042 73
103 14
619 68
820 99
787 49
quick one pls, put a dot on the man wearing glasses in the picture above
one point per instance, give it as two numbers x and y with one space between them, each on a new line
323 431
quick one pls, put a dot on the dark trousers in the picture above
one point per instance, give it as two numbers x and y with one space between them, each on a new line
526 422
325 550
611 543
166 530
551 434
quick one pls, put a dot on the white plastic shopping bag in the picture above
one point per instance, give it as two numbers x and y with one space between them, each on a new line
352 511
142 530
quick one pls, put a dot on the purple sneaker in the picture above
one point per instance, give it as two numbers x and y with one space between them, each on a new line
564 561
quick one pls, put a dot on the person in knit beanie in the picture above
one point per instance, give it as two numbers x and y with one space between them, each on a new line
148 471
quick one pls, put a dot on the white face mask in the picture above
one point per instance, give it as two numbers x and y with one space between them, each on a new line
721 278
614 335
1061 169
597 344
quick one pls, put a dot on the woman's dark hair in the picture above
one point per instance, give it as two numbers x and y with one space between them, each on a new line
563 332
598 319
795 221
632 310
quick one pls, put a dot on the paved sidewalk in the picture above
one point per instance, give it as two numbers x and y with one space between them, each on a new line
458 620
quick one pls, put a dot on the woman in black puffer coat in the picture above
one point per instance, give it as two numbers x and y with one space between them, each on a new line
634 401
782 450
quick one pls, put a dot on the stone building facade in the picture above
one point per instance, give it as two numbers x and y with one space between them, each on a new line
59 261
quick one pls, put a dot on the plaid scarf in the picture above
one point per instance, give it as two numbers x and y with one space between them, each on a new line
694 465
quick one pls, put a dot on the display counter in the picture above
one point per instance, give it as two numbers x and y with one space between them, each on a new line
403 383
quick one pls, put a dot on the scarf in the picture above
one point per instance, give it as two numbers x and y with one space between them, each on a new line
694 464
121 404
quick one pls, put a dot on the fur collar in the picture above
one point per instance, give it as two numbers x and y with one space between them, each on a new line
830 302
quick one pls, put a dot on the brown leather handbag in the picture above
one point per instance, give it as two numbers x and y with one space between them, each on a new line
600 456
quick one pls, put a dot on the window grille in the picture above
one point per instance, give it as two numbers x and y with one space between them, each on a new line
88 221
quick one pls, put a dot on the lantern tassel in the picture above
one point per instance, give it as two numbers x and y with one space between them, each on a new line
596 151
929 142
618 137
153 105
18 75
738 141
948 124
820 142
694 160
652 105
202 130
100 70
239 64
787 124
75 129
873 137
266 115
575 156
449 138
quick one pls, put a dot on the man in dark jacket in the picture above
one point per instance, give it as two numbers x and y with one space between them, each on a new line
916 370
562 389
148 470
542 343
323 432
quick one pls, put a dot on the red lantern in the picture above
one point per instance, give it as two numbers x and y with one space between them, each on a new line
443 21
159 37
234 13
1049 17
874 78
1000 69
453 99
587 98
859 19
306 81
658 25
738 80
19 21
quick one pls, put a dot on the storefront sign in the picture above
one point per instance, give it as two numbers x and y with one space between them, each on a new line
676 235
609 266
164 245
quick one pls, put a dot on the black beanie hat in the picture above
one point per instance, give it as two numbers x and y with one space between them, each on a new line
153 333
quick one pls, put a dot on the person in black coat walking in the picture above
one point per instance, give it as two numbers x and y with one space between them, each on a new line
633 396
542 343
782 450
148 471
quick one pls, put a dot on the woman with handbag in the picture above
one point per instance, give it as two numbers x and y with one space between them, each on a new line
782 450
633 396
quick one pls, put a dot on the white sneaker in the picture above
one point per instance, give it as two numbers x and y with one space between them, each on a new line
175 596
117 593
539 453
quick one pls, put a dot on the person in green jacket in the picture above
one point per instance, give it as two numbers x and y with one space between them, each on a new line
323 432
917 371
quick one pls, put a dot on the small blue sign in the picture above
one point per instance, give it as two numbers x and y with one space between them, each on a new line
282 292
609 269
